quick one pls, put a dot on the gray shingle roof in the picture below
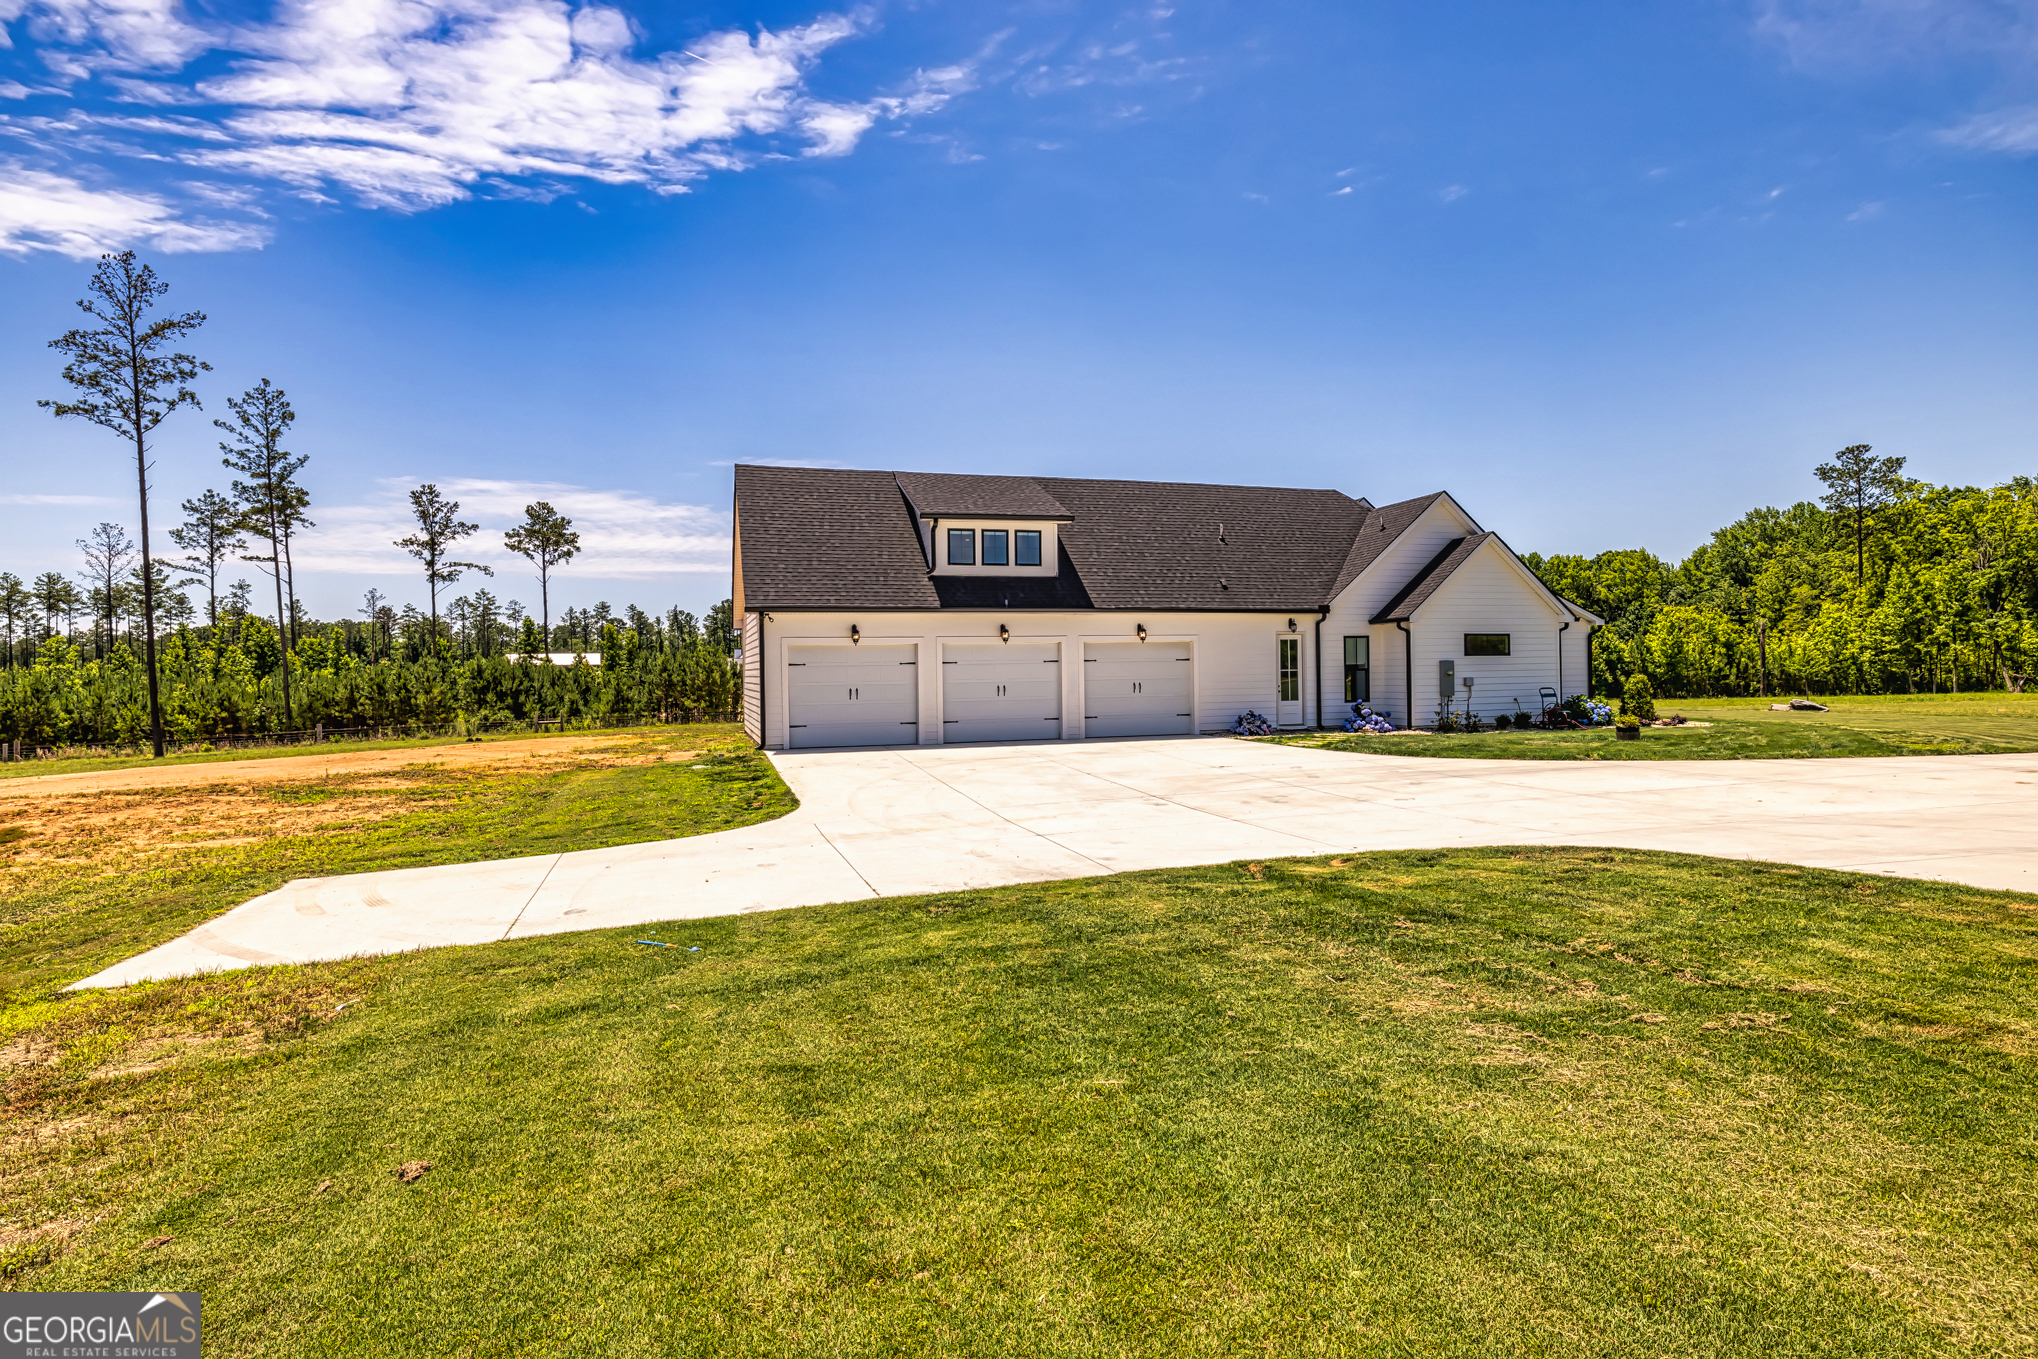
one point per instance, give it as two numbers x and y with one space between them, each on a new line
1379 530
951 494
1426 582
1152 544
820 538
825 538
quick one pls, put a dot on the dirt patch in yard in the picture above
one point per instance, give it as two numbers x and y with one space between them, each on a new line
292 768
244 802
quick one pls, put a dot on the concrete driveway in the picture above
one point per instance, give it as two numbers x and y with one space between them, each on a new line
948 818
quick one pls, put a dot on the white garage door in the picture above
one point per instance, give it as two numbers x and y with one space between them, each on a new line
1000 691
1138 689
866 695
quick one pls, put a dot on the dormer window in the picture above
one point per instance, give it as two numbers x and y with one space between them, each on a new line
991 547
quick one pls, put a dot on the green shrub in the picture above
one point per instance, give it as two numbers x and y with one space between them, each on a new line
1638 699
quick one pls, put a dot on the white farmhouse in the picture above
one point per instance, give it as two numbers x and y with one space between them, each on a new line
917 608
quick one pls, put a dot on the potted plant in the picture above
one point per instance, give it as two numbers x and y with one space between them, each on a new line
1502 722
1523 721
1627 727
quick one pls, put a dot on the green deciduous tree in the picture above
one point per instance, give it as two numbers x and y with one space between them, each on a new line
128 384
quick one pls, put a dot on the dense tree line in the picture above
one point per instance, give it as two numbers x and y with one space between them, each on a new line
382 672
1891 585
126 658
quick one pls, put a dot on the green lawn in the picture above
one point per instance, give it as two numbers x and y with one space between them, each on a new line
1745 729
1476 1102
102 877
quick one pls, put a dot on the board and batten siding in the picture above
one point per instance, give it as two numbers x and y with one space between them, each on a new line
1234 656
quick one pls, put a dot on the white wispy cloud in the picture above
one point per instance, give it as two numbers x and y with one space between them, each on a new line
410 104
1834 36
623 534
17 498
2014 131
41 211
1840 39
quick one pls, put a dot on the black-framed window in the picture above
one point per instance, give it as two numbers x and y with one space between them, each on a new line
1489 644
996 545
1027 543
962 547
1358 667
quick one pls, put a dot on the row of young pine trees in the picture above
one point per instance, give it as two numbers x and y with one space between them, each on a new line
237 675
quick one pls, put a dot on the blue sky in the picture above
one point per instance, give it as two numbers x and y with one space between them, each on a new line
1610 273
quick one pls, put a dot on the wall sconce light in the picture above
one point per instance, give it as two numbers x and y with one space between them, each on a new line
1142 632
1291 625
855 635
1004 633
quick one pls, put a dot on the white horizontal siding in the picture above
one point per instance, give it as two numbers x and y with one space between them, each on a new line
753 677
1442 522
1488 594
1234 655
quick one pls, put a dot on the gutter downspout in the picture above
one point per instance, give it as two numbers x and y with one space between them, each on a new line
1323 612
1560 660
1408 664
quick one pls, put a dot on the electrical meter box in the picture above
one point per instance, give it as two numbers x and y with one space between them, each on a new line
1447 679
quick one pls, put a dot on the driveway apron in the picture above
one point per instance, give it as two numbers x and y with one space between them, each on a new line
900 821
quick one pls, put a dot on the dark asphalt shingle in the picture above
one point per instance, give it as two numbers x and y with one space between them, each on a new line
824 538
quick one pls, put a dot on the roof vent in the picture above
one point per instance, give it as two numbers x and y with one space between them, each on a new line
1222 586
1220 533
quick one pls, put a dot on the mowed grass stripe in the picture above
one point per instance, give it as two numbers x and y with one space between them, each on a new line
1474 1102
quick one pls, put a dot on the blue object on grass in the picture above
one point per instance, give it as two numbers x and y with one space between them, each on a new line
654 943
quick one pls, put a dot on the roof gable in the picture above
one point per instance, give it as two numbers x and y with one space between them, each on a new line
1424 584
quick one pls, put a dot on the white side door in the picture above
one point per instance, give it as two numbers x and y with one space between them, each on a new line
865 695
1000 691
1138 689
1288 680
